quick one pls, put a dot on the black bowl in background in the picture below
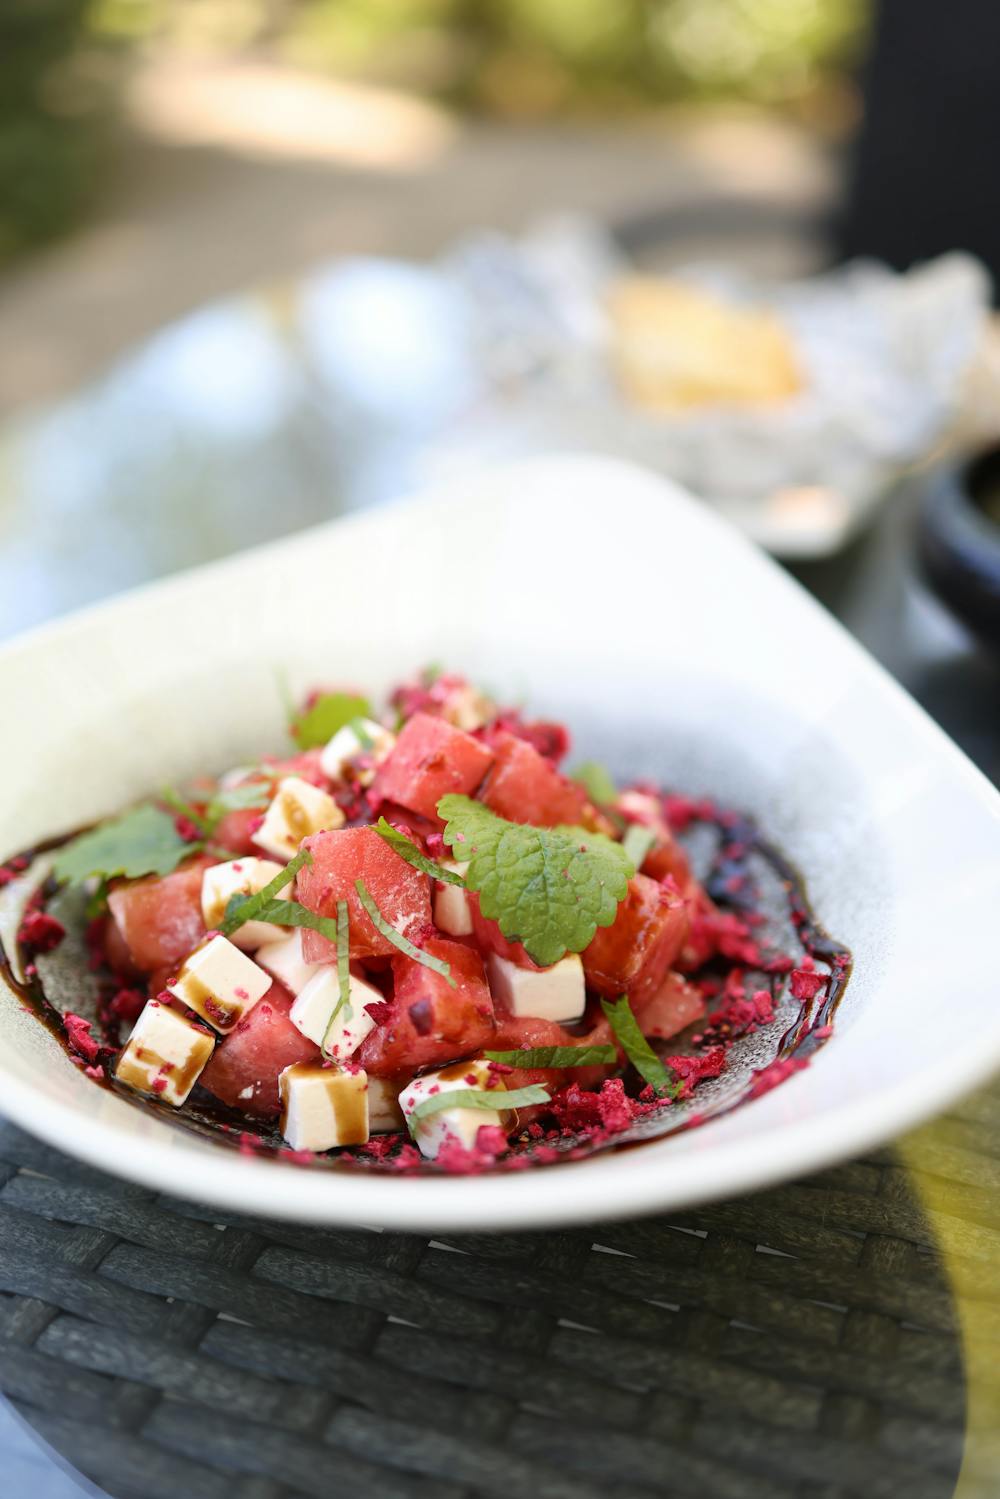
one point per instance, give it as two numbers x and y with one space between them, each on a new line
959 543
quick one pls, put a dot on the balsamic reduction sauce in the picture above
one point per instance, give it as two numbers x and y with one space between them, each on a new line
729 880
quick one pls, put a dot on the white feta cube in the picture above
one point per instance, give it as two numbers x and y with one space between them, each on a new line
284 961
365 737
244 876
385 1116
312 1010
556 993
221 983
452 912
323 1107
297 809
165 1054
460 1124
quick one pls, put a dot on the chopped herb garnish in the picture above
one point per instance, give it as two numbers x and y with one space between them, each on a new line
637 842
330 712
243 908
359 727
144 841
343 973
637 1048
499 1099
184 808
596 781
248 796
291 913
549 888
408 850
398 940
556 1056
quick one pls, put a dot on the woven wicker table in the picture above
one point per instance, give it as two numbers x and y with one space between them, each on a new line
801 1342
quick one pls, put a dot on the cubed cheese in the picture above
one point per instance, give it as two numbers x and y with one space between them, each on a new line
312 1010
460 1124
555 993
467 708
365 737
323 1107
385 1116
297 809
284 961
221 983
245 876
165 1054
451 905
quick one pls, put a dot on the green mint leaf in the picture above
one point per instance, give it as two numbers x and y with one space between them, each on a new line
243 908
398 940
548 888
637 842
144 841
556 1056
408 850
499 1099
596 781
318 724
637 1048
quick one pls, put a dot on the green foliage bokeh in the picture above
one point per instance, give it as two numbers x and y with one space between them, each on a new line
59 61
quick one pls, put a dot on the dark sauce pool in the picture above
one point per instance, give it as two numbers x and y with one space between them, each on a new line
784 953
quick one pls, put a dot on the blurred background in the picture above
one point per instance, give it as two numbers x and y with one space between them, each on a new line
156 153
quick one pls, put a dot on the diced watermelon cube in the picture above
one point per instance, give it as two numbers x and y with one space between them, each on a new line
341 857
491 939
674 1005
524 786
429 1022
430 759
243 1071
157 920
633 954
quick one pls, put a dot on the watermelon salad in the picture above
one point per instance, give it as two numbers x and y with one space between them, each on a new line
416 938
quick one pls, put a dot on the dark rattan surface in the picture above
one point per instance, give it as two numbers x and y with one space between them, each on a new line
801 1342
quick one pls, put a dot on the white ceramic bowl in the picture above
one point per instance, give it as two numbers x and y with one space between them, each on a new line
608 596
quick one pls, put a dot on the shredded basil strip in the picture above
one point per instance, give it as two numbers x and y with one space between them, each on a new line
556 1056
637 842
637 1048
408 850
243 908
343 974
292 913
360 730
499 1099
398 940
183 808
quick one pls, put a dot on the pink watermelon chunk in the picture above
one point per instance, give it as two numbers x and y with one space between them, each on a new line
633 954
429 1022
252 1056
524 786
670 1008
156 921
431 758
401 892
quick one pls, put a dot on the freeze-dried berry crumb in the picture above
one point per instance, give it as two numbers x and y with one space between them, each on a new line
804 984
79 1037
777 1072
39 932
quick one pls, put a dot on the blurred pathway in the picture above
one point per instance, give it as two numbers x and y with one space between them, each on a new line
236 173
